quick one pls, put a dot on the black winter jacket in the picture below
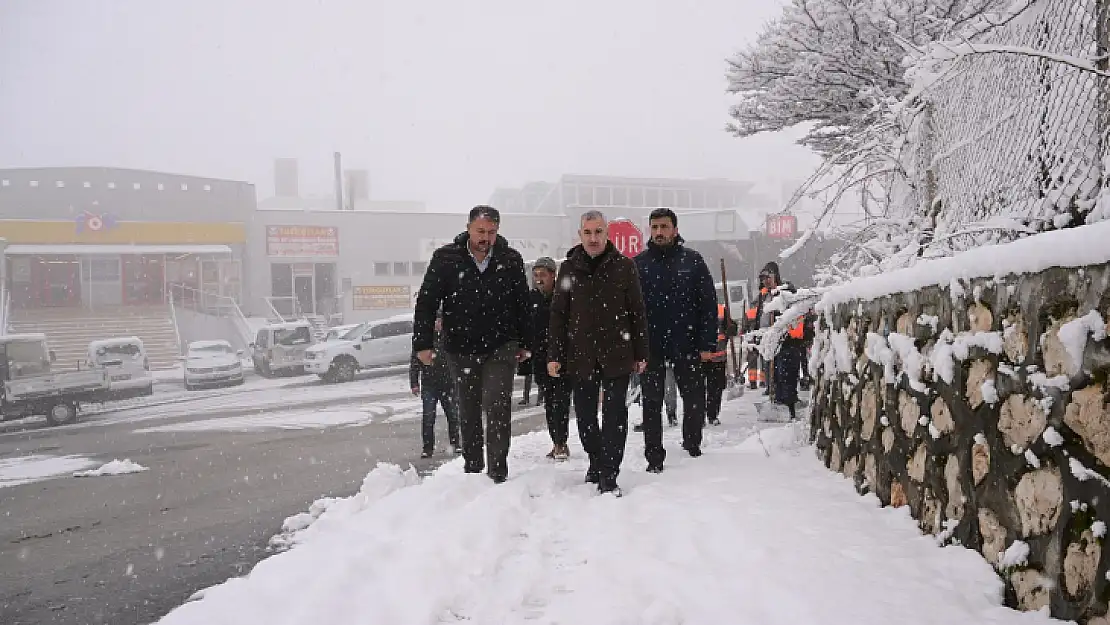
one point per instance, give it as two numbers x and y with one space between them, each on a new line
436 376
541 321
481 310
680 300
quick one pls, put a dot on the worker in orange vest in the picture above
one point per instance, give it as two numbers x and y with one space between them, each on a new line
715 374
788 359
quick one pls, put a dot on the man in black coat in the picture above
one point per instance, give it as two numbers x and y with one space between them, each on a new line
433 384
555 390
479 281
682 326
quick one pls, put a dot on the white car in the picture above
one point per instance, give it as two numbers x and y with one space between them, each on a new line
211 363
124 361
371 344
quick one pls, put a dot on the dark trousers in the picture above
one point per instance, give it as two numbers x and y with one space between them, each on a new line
430 396
556 391
714 387
485 385
785 382
690 380
605 444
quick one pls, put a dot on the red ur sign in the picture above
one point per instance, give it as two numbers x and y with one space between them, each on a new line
626 236
781 226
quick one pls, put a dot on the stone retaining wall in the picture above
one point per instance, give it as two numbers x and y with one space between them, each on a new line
966 403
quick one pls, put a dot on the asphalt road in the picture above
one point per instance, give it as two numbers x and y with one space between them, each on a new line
127 549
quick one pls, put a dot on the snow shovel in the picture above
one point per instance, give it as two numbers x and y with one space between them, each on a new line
766 409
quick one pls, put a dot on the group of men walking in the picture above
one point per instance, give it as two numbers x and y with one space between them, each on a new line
593 323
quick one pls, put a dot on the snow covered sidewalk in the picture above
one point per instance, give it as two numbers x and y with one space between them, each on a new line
733 537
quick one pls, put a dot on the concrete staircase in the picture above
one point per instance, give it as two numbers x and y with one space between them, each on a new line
68 331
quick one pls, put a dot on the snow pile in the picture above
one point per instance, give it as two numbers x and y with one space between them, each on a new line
1073 247
764 540
36 467
1074 333
115 467
328 511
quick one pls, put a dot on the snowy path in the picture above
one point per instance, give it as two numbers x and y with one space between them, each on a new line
733 537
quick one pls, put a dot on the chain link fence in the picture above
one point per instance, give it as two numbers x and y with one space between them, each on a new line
1016 126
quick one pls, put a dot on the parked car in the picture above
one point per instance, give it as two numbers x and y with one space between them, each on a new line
280 347
212 363
124 362
29 387
371 344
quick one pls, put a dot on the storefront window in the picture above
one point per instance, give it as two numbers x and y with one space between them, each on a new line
281 279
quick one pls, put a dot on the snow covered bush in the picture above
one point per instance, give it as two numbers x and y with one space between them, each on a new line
955 124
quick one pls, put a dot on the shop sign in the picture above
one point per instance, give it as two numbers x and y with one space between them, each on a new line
302 241
381 297
95 222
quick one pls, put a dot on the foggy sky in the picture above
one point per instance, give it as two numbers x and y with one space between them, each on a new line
442 100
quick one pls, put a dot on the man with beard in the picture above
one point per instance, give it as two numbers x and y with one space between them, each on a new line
598 329
681 305
479 281
555 390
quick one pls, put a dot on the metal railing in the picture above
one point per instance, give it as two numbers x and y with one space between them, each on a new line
5 308
208 303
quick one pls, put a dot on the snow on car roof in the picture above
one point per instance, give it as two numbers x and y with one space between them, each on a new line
289 325
119 340
401 317
204 344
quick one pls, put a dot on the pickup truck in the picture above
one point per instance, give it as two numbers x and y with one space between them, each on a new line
30 388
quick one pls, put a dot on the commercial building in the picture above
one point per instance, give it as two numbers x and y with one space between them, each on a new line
88 237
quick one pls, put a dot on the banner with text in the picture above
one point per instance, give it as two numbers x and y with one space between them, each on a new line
302 241
381 297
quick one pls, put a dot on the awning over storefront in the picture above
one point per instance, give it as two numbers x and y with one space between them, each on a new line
116 250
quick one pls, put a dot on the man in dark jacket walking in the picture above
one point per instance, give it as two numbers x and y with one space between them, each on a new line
479 281
598 329
555 390
434 385
682 323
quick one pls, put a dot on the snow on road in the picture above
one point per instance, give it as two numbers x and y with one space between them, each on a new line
115 467
735 536
261 395
298 420
36 467
348 416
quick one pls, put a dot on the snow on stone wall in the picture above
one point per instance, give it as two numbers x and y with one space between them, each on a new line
981 404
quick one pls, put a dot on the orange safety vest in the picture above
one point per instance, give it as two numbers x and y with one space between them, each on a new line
722 340
798 330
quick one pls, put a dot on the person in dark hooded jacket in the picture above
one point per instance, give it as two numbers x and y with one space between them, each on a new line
479 281
681 305
787 361
433 384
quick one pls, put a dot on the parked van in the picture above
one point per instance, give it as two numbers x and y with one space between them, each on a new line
738 298
125 365
280 347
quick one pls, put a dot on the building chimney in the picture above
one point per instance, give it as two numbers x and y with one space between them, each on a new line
358 186
339 182
286 178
